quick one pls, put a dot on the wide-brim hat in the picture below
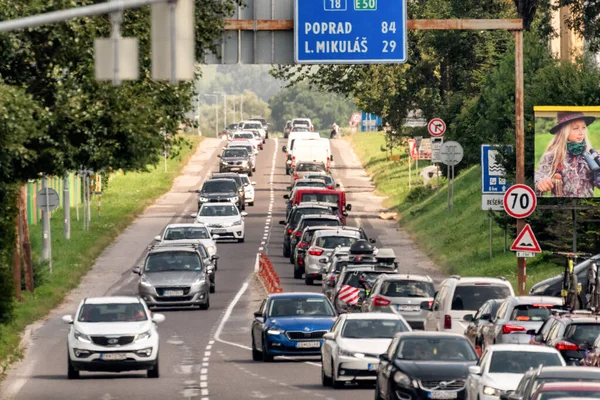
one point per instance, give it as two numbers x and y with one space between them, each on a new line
564 118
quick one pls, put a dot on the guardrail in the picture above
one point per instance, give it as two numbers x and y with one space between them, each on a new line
267 275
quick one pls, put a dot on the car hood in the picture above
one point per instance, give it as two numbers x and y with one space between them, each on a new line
218 220
435 370
112 328
503 381
173 278
218 195
306 324
369 346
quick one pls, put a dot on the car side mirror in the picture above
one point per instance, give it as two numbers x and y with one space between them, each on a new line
244 214
137 270
157 238
246 184
348 207
218 156
286 196
468 317
504 395
475 370
425 306
258 314
158 318
384 357
281 222
67 319
283 149
337 185
329 336
532 332
253 183
215 257
331 157
372 241
193 215
288 188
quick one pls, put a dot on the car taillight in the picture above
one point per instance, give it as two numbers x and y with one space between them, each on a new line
303 245
512 328
300 261
315 252
296 177
290 231
447 322
293 157
332 278
563 345
430 304
330 187
379 301
298 234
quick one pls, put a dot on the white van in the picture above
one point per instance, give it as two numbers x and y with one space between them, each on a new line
317 150
287 149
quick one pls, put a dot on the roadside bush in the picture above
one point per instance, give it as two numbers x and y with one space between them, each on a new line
419 193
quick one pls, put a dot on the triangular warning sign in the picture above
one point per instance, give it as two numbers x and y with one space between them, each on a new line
526 241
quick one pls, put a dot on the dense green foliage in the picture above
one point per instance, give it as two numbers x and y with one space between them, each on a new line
300 102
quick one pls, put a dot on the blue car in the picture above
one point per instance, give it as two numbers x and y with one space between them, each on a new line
291 324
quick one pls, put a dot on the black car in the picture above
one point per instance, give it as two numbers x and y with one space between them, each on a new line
307 220
425 365
482 319
571 334
219 190
238 182
293 217
235 159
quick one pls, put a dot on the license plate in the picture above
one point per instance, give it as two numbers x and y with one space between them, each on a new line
443 394
372 367
408 308
219 231
113 356
308 345
173 293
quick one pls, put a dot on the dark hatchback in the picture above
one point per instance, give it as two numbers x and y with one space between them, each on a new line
219 190
294 216
425 365
238 182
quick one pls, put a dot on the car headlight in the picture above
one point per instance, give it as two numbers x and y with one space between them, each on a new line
245 162
223 162
145 282
346 353
143 336
273 331
199 281
238 222
234 199
82 337
401 379
490 391
202 199
212 250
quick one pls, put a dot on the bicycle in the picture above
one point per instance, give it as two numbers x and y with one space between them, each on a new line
571 289
593 286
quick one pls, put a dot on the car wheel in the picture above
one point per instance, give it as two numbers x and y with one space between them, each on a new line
292 260
308 281
241 240
266 357
287 171
250 172
256 355
377 394
212 287
153 372
297 273
72 373
207 305
334 382
251 204
325 380
286 251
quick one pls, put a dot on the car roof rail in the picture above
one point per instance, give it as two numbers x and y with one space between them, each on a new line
454 277
501 277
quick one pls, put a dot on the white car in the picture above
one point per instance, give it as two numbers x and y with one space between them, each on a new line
502 366
249 136
175 233
223 219
351 349
255 125
321 247
248 189
112 334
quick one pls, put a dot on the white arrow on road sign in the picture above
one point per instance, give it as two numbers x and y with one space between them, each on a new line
519 201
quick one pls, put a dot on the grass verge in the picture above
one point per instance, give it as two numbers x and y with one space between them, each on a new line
125 198
458 240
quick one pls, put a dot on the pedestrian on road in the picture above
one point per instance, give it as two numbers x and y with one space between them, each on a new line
335 130
563 170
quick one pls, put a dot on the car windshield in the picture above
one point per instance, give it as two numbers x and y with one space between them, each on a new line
248 135
300 122
234 177
173 261
230 152
569 394
372 328
519 362
195 232
532 312
245 180
252 125
301 307
301 167
115 312
218 187
219 210
307 211
353 278
407 288
580 333
331 242
300 128
313 183
449 349
471 297
321 197
322 222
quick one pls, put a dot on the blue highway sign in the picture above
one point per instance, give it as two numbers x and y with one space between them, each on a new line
350 31
493 175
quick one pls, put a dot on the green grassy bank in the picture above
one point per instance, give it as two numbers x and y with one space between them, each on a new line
125 198
458 240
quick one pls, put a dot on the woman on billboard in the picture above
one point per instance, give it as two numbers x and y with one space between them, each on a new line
569 167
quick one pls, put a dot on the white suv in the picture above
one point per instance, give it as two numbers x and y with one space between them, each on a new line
223 220
458 297
112 334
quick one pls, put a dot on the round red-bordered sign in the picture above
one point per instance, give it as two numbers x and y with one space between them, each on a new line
520 201
436 127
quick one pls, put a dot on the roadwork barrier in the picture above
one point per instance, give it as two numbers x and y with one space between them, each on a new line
267 275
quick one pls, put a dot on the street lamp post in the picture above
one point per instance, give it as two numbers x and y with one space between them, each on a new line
216 112
224 107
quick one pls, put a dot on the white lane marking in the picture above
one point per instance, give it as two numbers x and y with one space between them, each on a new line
203 384
204 392
261 248
205 359
203 377
256 264
205 364
227 314
204 371
211 342
207 353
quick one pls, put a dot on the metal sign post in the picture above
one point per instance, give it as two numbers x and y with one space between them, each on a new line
451 153
47 200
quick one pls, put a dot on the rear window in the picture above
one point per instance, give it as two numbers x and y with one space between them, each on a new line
310 167
582 333
471 297
324 222
353 278
321 197
408 288
306 211
331 242
311 184
531 312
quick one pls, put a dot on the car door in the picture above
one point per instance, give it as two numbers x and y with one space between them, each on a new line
258 324
473 327
474 380
330 346
432 321
385 369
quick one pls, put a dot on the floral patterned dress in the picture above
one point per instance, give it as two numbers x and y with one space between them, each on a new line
576 176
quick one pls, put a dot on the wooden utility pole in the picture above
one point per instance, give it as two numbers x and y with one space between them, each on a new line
29 283
520 147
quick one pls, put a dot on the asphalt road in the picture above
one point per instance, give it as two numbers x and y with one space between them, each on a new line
206 354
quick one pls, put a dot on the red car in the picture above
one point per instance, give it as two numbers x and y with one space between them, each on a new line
323 196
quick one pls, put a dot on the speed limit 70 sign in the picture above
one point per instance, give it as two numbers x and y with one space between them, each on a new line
519 201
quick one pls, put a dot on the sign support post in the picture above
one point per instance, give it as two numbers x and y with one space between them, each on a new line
520 145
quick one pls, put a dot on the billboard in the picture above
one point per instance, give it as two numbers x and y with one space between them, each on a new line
567 145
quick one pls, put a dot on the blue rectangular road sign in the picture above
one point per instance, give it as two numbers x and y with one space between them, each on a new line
493 175
350 31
